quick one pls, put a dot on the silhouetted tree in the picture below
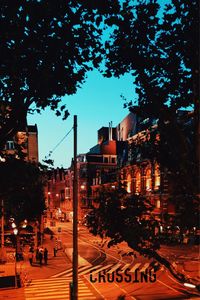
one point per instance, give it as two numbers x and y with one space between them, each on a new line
46 48
161 51
22 189
123 217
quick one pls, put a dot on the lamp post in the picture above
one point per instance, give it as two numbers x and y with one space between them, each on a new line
15 231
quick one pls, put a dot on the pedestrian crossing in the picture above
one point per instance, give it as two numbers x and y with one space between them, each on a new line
109 268
56 288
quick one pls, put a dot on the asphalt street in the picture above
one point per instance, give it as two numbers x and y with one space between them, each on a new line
104 273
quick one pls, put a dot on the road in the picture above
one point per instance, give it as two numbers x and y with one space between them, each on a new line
115 279
103 273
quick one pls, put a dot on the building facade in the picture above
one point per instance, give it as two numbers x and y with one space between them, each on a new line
119 158
27 139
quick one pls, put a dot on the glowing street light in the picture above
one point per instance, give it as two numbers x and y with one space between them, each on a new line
190 285
15 231
13 225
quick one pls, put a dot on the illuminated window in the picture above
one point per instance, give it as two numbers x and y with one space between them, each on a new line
128 188
67 192
157 177
148 180
138 182
158 203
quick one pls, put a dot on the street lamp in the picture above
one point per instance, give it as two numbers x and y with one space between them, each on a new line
190 285
13 226
15 231
82 187
24 224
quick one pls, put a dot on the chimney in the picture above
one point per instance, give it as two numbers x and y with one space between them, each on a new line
111 131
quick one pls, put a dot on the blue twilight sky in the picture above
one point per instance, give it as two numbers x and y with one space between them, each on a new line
96 104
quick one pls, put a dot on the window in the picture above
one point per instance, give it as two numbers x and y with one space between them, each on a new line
148 180
62 195
67 193
128 188
105 159
158 203
138 182
157 177
10 145
113 160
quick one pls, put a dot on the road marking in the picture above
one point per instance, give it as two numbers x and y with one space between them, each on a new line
114 268
103 268
145 267
84 270
89 270
136 266
56 288
66 271
125 267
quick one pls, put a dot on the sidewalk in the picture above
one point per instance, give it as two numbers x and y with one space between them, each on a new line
27 272
37 273
54 264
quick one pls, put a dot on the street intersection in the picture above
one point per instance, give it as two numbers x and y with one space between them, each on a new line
52 281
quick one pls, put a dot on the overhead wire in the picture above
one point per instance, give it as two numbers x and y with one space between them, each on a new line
58 144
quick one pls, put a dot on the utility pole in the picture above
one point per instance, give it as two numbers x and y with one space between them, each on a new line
74 287
2 254
2 225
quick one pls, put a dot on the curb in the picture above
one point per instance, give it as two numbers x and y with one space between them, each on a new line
81 260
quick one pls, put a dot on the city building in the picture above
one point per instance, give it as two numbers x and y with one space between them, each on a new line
137 169
27 138
56 193
116 158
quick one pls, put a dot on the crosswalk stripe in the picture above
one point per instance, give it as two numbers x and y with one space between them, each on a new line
114 268
68 271
55 288
71 271
89 270
123 269
51 287
64 296
48 297
49 279
136 266
84 270
103 268
144 267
